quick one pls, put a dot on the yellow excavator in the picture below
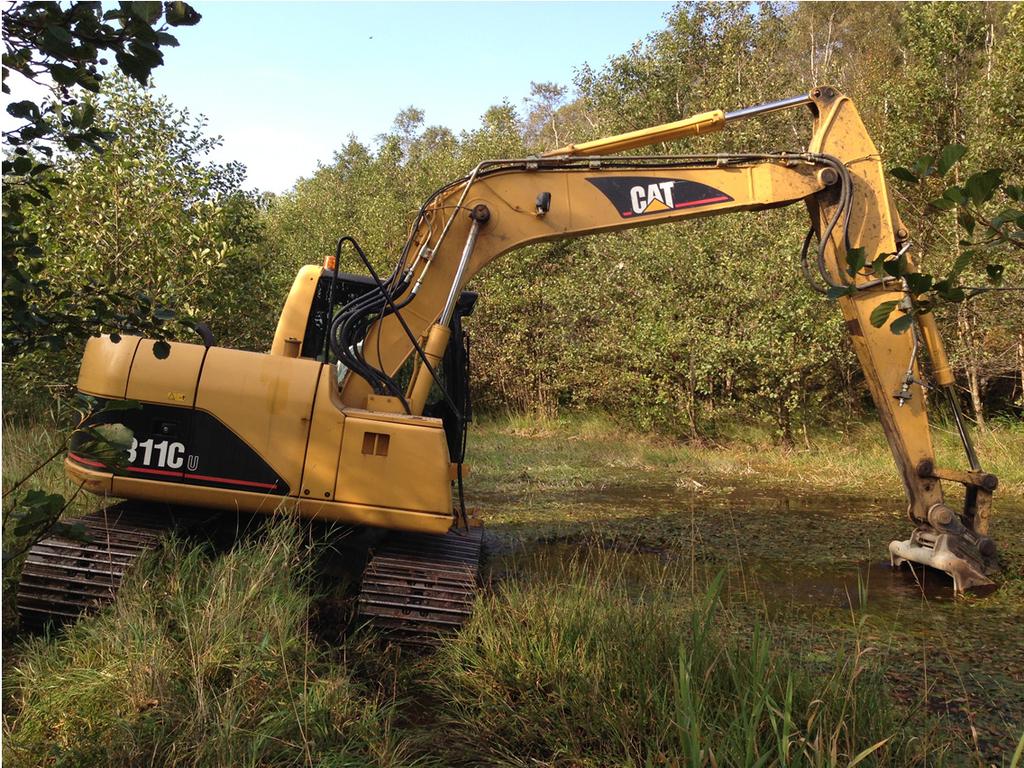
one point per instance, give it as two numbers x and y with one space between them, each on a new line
337 421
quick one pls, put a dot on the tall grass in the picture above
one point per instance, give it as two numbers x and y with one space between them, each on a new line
202 662
591 668
538 453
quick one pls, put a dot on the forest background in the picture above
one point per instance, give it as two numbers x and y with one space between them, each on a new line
684 328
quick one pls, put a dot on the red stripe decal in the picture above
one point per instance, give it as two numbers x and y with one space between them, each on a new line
211 479
171 473
148 471
86 462
719 199
627 213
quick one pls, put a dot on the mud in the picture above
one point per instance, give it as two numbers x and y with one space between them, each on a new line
814 566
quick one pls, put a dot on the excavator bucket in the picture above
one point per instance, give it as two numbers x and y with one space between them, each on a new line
943 552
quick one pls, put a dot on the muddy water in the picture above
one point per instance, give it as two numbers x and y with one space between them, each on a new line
811 562
815 565
791 548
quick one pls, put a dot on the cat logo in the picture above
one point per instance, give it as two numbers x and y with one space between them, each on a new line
643 195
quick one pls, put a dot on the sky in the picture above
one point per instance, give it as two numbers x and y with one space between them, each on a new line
286 83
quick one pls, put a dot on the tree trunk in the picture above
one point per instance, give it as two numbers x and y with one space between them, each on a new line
966 328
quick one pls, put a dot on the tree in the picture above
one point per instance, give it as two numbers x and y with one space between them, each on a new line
151 215
47 44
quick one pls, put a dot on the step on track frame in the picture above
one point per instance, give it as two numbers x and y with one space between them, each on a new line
419 587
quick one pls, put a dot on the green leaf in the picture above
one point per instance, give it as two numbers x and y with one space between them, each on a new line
147 10
942 203
956 195
965 220
36 509
903 174
116 436
161 350
60 33
74 531
878 266
836 292
63 74
132 66
950 292
881 313
23 110
924 166
164 314
895 267
1014 192
981 186
901 324
949 156
962 262
855 260
918 283
181 14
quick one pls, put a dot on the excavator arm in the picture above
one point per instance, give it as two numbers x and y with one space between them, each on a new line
585 188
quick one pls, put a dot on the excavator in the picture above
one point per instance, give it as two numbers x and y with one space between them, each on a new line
358 414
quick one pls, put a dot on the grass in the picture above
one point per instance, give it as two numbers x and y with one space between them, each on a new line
607 640
202 662
209 662
593 667
525 453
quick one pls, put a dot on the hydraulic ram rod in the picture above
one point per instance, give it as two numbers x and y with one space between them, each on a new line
706 122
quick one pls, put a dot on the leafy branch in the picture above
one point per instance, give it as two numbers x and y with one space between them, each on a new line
61 48
37 513
985 237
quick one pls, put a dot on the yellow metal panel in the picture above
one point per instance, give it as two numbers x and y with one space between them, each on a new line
291 325
105 366
321 470
395 462
94 481
379 517
200 496
264 399
170 381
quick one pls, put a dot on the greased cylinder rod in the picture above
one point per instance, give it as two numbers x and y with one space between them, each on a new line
764 109
705 122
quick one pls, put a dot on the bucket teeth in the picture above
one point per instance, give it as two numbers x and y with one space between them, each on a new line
419 587
950 553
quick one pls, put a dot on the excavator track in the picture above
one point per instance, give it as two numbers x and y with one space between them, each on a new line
418 587
62 577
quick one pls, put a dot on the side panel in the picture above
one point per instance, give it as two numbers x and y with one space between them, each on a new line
321 470
191 494
394 461
105 366
167 389
266 401
170 381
